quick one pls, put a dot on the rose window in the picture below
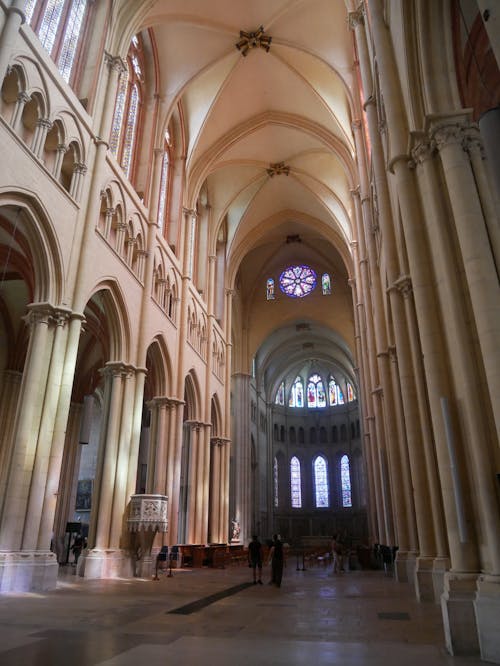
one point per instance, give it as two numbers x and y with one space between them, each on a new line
297 281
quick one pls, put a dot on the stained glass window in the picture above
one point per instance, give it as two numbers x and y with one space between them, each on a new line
29 8
297 281
270 289
295 483
71 37
130 131
315 392
163 190
50 23
296 398
350 393
275 477
280 394
116 128
321 483
59 25
335 395
345 481
124 129
326 284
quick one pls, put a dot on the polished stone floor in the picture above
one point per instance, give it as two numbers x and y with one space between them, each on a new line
214 616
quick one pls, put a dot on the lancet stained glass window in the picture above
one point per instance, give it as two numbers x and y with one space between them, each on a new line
280 394
326 284
350 393
296 398
345 481
126 119
295 483
315 392
59 25
270 289
321 483
335 394
275 477
297 281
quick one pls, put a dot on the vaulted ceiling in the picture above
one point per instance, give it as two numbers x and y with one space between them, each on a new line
268 137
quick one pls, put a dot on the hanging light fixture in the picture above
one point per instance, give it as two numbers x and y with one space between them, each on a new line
252 40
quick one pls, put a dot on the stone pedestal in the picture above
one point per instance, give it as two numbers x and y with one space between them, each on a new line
459 617
487 607
424 583
147 516
28 571
400 567
439 568
106 563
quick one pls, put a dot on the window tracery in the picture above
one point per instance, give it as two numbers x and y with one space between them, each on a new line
296 398
315 392
321 489
345 481
295 483
59 25
297 281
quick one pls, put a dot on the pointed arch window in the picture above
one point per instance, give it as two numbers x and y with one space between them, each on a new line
345 481
280 394
335 395
60 26
351 396
275 479
321 490
315 392
164 182
295 483
326 285
126 118
296 398
270 289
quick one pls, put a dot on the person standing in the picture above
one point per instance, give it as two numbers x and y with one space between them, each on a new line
276 559
338 554
255 558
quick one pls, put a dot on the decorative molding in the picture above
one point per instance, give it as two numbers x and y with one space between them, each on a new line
253 40
278 169
148 513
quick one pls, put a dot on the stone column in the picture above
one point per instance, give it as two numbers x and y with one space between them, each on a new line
453 139
61 151
108 219
459 587
10 33
43 125
241 454
79 171
22 99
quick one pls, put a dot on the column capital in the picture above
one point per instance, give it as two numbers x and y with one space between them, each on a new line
46 123
404 285
356 17
80 167
356 125
355 192
189 212
47 313
117 368
423 148
219 441
23 97
116 63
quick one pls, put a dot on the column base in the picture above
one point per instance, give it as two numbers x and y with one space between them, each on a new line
487 606
106 563
459 618
411 565
424 581
400 567
28 571
440 567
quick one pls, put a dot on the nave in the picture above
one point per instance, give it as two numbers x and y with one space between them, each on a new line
356 618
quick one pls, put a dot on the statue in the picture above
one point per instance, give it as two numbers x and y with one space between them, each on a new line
236 530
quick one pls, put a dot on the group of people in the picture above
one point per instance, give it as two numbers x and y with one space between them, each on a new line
275 558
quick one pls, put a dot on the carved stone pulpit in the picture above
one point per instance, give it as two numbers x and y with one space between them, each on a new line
147 516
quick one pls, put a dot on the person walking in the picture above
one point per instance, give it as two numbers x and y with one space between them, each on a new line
255 559
276 559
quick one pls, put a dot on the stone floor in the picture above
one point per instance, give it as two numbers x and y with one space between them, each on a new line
214 616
